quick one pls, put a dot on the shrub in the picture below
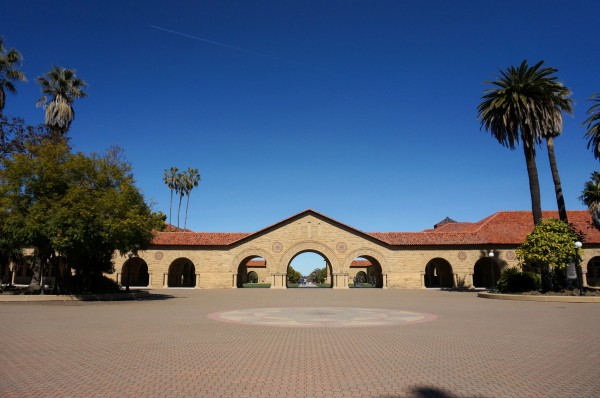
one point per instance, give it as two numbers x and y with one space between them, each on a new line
103 284
512 280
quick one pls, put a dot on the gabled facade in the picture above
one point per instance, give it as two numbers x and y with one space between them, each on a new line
452 255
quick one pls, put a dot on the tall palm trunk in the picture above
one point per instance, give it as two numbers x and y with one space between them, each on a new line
534 184
180 197
186 209
560 200
171 207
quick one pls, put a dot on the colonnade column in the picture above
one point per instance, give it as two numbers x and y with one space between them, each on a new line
471 282
234 281
149 280
584 277
454 284
384 282
423 281
119 277
165 280
340 281
197 281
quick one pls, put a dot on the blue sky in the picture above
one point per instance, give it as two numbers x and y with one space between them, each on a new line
372 121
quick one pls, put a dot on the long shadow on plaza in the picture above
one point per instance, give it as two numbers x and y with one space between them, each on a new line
426 392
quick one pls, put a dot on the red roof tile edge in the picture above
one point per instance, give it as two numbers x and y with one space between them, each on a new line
503 227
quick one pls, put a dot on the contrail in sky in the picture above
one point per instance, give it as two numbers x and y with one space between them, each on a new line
234 48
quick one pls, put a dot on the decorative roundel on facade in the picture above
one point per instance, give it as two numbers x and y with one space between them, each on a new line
341 247
158 255
462 256
277 247
114 256
510 255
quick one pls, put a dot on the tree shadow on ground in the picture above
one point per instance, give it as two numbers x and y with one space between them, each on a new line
425 392
156 297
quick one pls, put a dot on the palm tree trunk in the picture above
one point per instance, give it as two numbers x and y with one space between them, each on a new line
170 207
560 200
186 209
534 184
180 197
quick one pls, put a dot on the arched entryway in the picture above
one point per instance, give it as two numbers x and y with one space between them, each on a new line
252 269
482 272
593 272
369 269
305 263
438 273
182 273
138 273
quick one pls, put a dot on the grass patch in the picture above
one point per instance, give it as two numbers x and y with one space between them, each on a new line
257 285
364 285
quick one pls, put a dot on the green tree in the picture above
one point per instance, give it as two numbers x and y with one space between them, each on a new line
525 106
64 87
193 178
10 60
550 246
293 275
170 179
83 208
323 275
593 125
590 196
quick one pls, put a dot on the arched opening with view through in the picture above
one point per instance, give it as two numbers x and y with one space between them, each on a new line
308 268
482 272
438 273
182 273
365 272
252 272
593 272
138 273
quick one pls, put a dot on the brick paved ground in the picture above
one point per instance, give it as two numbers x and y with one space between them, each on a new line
169 348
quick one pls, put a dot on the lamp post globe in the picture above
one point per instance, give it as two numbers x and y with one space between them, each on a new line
491 254
130 255
579 270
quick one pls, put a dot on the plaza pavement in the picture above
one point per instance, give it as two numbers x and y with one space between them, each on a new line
166 346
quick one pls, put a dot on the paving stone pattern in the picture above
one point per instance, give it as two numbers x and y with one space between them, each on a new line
166 346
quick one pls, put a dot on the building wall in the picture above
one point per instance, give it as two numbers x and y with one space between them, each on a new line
403 267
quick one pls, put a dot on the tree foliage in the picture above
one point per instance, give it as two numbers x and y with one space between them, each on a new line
293 275
525 106
83 208
590 196
593 125
10 60
551 244
63 86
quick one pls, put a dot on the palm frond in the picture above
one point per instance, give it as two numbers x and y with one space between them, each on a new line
593 125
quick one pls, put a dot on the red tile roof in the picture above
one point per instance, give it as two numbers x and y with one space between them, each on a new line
504 227
173 228
360 263
256 263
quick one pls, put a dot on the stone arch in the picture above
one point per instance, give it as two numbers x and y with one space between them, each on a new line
251 253
309 246
252 275
138 275
591 270
438 272
482 272
182 273
366 253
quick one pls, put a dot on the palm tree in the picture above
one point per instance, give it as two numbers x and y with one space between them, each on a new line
593 125
522 108
193 178
170 180
561 104
9 61
181 189
590 196
64 87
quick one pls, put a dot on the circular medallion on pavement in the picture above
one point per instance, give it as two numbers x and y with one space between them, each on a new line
321 317
277 247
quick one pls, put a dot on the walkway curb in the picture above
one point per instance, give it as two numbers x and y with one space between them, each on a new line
519 297
76 297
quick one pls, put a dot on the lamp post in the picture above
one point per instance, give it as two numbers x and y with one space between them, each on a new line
491 254
128 271
579 270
